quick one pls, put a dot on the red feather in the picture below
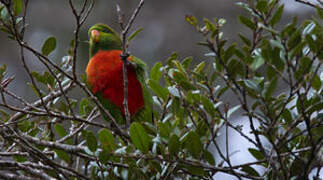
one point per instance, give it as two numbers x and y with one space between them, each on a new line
104 73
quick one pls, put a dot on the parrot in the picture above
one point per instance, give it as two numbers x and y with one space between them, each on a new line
104 76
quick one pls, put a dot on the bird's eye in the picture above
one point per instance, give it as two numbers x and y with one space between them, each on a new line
95 34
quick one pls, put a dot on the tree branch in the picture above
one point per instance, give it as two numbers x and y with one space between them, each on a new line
125 54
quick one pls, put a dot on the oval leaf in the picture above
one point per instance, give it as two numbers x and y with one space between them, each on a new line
193 144
158 90
17 5
256 153
156 73
174 145
134 34
62 132
49 46
62 155
139 137
91 141
107 140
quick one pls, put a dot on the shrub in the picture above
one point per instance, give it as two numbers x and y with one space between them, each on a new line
51 137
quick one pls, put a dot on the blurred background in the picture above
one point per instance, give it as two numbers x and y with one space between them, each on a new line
164 31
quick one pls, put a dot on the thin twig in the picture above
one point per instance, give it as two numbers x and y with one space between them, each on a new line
308 3
125 54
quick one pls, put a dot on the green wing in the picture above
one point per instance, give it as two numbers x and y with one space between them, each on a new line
146 113
113 109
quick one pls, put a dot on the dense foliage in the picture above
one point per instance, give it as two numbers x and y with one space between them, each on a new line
57 137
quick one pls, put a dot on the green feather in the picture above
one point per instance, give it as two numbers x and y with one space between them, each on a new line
141 71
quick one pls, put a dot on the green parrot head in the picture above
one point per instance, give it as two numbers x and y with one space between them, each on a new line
102 37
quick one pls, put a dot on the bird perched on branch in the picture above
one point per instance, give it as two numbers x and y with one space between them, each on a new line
105 76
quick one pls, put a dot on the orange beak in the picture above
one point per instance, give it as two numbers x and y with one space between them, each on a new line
95 34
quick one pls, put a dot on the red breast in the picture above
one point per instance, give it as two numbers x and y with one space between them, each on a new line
104 74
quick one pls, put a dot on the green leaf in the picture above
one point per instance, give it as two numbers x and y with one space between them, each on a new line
250 171
134 34
290 28
229 52
256 153
304 67
267 28
210 54
232 110
155 165
91 141
174 145
271 73
258 61
199 67
103 156
84 107
187 62
2 71
172 57
252 85
173 90
19 158
295 39
245 6
244 39
287 115
45 78
25 125
208 105
4 13
316 83
164 129
107 140
193 144
60 130
195 170
209 157
318 131
191 19
49 46
4 116
17 6
209 25
62 155
156 72
311 43
179 67
270 88
262 6
193 96
34 132
277 16
158 90
247 22
276 60
319 12
309 26
139 137
275 43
